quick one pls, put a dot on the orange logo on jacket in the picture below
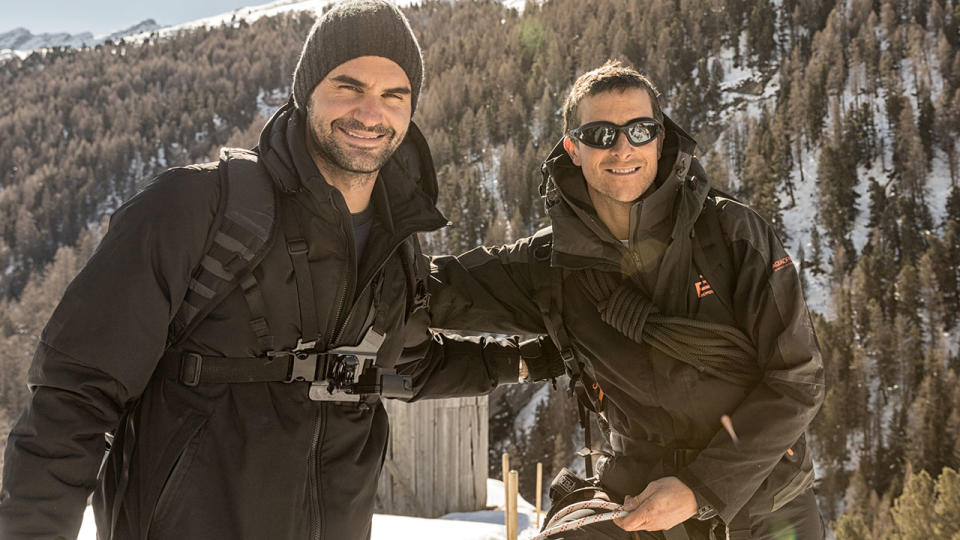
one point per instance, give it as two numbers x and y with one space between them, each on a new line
780 264
703 288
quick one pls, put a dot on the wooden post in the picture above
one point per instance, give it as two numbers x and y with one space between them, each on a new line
539 490
506 492
513 506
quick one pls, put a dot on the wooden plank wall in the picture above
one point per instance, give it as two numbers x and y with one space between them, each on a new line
436 460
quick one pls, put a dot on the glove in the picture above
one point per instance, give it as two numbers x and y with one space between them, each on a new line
542 358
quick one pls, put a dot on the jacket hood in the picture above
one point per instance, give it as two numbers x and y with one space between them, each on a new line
409 179
580 239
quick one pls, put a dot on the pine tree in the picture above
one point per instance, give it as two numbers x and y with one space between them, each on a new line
859 134
909 157
759 181
881 348
850 526
717 169
760 32
836 182
815 99
914 511
878 202
946 120
933 295
816 251
781 160
947 507
912 239
925 126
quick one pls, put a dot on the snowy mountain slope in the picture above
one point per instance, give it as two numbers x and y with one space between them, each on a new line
21 39
21 42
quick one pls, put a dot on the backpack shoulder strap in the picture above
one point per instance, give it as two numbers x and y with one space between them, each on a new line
416 274
548 293
712 252
242 231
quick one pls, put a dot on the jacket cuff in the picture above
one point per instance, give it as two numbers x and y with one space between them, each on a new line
701 491
506 363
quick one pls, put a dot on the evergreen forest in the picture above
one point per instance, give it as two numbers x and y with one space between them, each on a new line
836 120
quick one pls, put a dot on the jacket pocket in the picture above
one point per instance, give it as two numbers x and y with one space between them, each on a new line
176 472
802 463
790 477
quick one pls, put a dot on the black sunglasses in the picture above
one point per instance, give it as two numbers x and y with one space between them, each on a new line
639 132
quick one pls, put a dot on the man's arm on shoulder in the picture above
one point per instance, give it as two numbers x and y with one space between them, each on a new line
769 306
487 289
483 290
99 350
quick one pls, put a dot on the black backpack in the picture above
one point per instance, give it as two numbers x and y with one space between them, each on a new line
245 228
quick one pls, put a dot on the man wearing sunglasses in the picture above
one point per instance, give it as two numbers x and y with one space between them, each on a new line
677 311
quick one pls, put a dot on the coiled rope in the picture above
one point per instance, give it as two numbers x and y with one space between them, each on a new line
610 511
721 350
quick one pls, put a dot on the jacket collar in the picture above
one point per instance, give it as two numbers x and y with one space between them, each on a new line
404 195
580 239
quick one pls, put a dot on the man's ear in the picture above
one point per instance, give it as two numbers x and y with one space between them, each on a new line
571 149
659 145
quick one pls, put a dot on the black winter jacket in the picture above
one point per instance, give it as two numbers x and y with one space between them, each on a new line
240 461
657 407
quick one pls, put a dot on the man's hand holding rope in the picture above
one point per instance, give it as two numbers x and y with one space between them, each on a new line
664 504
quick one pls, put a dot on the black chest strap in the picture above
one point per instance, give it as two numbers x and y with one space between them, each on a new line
346 373
299 253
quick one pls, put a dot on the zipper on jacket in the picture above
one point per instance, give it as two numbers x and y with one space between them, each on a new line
341 328
316 529
350 274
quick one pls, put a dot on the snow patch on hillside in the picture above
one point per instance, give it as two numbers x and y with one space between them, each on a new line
938 187
799 220
268 101
6 54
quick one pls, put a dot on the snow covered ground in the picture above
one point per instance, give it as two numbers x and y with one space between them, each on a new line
480 525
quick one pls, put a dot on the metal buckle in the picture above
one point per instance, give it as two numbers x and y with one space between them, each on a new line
303 367
190 366
303 361
296 246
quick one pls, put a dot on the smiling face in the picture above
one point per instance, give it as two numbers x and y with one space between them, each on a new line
616 176
357 117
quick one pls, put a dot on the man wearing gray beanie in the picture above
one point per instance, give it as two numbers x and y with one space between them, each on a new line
240 322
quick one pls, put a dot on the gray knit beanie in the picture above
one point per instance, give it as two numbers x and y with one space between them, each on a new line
352 29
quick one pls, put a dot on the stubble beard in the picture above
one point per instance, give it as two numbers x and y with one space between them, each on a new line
362 163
